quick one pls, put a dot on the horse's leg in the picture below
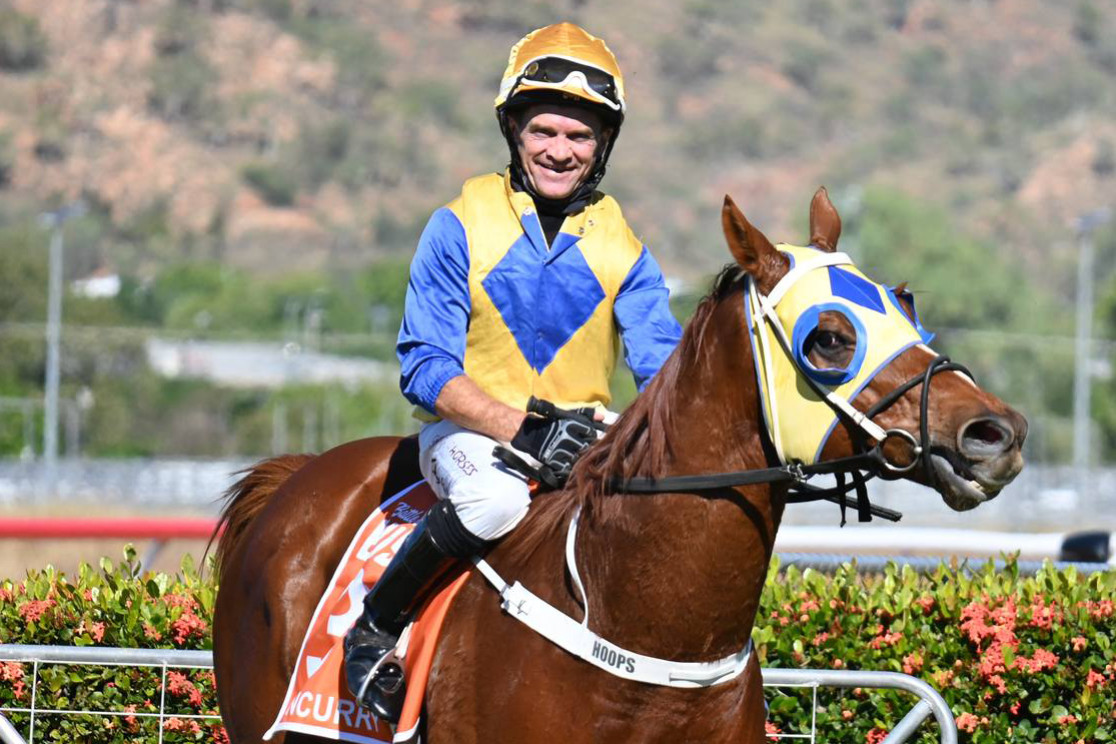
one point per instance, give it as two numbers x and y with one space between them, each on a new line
252 630
279 570
268 610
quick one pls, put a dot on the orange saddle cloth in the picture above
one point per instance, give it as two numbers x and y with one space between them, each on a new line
318 701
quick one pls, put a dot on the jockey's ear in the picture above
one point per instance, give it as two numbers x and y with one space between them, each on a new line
825 223
751 248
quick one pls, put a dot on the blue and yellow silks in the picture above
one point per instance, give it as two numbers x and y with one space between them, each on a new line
800 421
489 298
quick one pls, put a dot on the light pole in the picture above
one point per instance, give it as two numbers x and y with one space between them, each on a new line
1082 373
56 221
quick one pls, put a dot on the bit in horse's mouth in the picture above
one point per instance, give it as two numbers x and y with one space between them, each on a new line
961 492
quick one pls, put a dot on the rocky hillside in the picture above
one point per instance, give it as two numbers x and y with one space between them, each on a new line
285 135
262 169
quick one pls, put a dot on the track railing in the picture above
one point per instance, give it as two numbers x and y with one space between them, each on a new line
930 703
41 656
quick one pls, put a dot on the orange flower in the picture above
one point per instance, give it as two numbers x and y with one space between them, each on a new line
886 639
187 626
33 609
1043 616
1041 659
188 726
967 722
96 631
179 686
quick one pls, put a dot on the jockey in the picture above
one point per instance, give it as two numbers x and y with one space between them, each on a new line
518 288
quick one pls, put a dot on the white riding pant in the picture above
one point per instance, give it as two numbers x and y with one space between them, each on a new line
490 499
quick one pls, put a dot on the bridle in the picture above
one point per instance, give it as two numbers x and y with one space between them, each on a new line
851 472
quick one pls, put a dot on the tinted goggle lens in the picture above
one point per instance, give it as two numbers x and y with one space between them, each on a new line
555 70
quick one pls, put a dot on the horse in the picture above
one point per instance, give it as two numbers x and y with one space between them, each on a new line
675 575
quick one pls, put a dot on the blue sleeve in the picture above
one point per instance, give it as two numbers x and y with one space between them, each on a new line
642 311
431 345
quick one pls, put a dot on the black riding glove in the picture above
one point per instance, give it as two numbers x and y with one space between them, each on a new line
555 440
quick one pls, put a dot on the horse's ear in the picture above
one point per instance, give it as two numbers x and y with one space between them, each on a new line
905 301
751 248
825 223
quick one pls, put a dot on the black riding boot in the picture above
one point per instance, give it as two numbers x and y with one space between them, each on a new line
388 608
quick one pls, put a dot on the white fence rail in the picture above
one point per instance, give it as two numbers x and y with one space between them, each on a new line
40 656
930 703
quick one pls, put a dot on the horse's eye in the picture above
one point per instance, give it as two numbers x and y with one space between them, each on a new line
828 341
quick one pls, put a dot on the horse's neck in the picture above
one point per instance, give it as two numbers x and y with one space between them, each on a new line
679 575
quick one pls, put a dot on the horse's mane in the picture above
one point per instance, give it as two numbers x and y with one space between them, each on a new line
638 444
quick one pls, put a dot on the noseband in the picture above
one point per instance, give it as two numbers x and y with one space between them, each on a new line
851 472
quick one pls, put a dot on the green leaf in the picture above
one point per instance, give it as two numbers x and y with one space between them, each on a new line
782 704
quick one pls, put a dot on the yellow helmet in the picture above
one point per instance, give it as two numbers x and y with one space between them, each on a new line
566 60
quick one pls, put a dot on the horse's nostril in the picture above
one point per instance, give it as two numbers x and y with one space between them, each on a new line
985 437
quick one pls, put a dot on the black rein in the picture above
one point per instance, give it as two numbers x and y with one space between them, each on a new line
860 467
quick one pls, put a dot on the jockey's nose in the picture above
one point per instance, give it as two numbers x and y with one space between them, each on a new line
560 151
991 436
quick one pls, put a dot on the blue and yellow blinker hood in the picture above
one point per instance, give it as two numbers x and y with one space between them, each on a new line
801 414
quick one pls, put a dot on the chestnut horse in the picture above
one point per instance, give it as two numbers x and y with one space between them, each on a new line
672 575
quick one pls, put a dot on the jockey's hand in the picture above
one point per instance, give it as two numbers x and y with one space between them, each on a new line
546 409
555 441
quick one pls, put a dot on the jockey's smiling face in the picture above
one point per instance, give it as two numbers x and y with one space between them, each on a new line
557 146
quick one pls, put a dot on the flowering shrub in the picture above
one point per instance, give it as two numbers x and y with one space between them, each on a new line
117 605
1019 659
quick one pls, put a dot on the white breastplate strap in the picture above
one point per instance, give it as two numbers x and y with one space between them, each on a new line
576 638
